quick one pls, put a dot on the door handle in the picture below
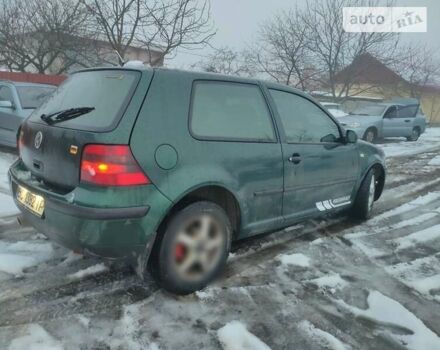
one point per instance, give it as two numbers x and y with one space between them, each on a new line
295 158
407 120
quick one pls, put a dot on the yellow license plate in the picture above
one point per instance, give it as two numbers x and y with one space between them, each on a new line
31 201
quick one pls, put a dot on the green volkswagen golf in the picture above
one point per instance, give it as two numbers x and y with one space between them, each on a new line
166 168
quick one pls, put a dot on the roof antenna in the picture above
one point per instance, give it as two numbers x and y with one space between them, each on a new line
121 60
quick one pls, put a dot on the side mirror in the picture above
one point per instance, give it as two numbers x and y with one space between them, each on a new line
6 104
351 136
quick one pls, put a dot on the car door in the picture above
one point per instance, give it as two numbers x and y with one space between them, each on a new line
407 117
396 123
390 122
320 170
237 145
9 120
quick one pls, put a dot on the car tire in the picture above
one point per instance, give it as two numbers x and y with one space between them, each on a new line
364 202
370 135
183 242
415 134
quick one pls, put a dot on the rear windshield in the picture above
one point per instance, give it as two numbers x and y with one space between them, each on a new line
33 96
108 91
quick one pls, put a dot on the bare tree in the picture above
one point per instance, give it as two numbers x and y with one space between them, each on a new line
282 51
332 48
419 65
43 35
117 21
173 24
154 25
225 61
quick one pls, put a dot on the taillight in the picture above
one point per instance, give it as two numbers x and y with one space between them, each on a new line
111 165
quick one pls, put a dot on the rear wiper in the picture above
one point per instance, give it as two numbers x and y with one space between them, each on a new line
66 114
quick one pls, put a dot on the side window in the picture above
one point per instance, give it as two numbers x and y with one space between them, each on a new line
302 120
408 111
230 111
391 112
6 94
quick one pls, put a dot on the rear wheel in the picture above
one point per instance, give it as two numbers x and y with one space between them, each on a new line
193 249
364 202
370 135
415 134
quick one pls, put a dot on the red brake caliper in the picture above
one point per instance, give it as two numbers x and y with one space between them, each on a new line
179 252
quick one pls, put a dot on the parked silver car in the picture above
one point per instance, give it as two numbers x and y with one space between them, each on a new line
382 120
17 101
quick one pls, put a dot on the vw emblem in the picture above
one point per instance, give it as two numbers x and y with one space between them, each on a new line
38 140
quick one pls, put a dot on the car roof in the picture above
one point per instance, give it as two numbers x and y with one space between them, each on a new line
203 75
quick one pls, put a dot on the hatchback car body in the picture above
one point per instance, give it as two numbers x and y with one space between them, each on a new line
17 101
383 120
167 167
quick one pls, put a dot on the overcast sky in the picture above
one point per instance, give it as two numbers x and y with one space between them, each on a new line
237 23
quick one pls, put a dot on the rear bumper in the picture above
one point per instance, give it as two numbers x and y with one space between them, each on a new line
91 213
110 232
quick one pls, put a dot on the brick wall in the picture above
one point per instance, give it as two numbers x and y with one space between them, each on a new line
33 78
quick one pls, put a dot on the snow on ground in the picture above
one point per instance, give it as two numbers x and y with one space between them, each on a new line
418 237
324 339
6 159
92 270
14 264
294 259
397 147
410 332
35 338
435 161
330 282
7 205
235 336
17 256
407 207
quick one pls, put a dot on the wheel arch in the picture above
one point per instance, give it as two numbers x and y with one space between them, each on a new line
374 128
380 174
212 192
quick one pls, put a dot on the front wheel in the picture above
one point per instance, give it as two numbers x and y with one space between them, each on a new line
364 202
193 249
370 135
415 134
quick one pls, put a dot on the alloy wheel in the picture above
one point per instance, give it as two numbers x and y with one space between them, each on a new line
370 136
198 247
371 192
